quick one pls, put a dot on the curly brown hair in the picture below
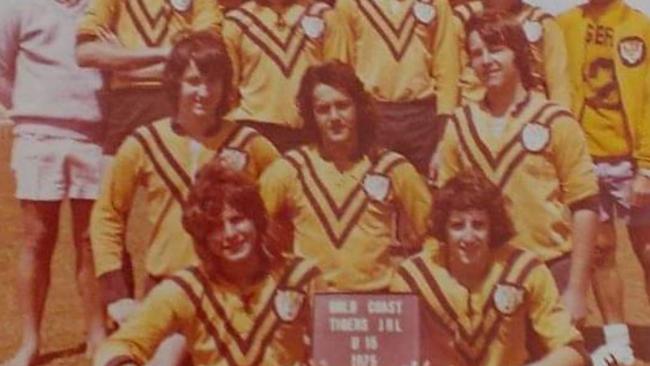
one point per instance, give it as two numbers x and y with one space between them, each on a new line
208 51
342 77
498 28
468 190
216 186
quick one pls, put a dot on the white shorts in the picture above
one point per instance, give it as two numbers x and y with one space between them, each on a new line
615 181
50 168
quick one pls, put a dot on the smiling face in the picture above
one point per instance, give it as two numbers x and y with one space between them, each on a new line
336 116
235 241
468 238
494 64
199 96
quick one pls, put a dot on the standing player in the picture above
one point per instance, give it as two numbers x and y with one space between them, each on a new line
245 304
271 43
610 75
130 42
342 191
406 55
55 155
546 41
530 148
489 296
162 158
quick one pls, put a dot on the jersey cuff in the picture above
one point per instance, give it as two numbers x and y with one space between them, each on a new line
591 203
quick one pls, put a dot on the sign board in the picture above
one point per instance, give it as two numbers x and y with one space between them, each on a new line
366 329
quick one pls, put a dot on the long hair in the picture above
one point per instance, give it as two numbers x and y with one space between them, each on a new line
501 29
342 77
208 52
216 186
470 190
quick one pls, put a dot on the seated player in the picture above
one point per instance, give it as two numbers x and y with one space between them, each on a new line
549 64
245 304
162 158
487 297
342 191
531 148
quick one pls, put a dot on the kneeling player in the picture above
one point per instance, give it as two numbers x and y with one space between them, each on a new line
488 298
244 305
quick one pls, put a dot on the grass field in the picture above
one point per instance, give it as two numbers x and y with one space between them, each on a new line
63 329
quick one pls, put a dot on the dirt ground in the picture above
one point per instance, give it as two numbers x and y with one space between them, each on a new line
62 326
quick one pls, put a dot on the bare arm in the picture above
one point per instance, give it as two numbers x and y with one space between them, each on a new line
584 235
153 71
112 56
9 45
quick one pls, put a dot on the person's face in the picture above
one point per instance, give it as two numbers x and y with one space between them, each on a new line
494 64
468 238
199 96
234 242
335 115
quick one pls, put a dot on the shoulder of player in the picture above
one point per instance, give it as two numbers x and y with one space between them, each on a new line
549 112
297 271
250 137
392 163
570 17
176 288
287 166
638 19
189 283
521 264
318 8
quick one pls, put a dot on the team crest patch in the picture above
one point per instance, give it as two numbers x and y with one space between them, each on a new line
234 158
507 298
287 303
181 5
535 137
424 11
376 186
312 26
533 30
632 51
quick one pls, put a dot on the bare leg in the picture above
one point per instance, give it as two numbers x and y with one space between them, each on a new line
40 225
608 288
640 239
606 280
87 284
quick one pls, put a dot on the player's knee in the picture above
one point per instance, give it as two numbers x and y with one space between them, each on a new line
39 238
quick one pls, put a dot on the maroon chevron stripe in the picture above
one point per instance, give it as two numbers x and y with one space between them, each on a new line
205 320
407 24
164 14
463 142
505 178
286 68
